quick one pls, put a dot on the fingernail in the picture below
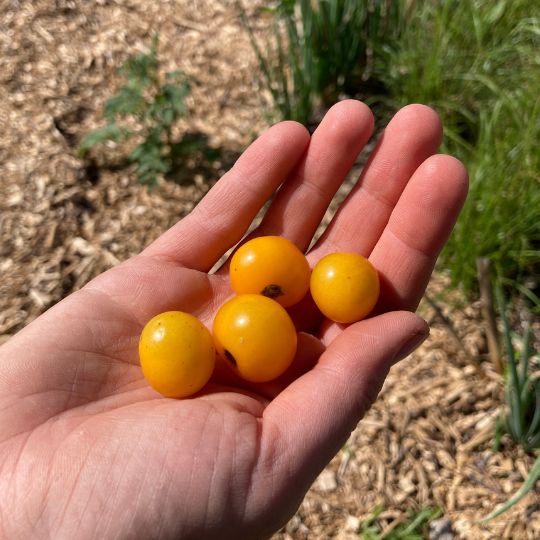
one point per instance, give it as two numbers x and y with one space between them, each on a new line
413 343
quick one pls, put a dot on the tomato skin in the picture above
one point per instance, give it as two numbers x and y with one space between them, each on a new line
345 287
177 354
255 336
272 266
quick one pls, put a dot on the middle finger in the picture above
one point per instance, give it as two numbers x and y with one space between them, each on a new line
302 201
410 138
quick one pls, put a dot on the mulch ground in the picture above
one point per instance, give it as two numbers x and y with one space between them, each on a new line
428 439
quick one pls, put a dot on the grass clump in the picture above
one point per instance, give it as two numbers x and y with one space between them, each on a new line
476 62
521 419
321 49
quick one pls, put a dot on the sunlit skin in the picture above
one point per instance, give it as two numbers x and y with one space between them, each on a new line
177 354
345 287
256 337
272 266
89 450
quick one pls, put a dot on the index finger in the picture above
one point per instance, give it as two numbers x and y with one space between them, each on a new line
220 220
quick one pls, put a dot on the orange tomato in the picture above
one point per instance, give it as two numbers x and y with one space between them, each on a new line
177 354
272 266
255 336
345 287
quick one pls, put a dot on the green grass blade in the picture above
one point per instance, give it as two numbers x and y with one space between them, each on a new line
507 338
377 511
535 441
527 350
516 418
534 425
263 63
110 132
425 515
529 484
499 431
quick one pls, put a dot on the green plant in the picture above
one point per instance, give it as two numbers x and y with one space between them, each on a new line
522 421
321 48
415 527
501 218
476 63
154 104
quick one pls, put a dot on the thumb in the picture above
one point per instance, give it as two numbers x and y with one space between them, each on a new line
312 418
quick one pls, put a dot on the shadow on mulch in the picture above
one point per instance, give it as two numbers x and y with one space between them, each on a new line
194 160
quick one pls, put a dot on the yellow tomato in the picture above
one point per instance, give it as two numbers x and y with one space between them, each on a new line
256 336
272 266
345 287
177 354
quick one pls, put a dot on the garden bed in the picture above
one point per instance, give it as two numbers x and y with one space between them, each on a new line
426 442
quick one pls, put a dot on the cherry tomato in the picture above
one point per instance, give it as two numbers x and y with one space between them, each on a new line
177 354
345 287
256 336
272 266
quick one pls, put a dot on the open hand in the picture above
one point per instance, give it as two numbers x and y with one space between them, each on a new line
89 450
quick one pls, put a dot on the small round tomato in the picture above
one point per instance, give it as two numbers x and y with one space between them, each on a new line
345 287
256 336
177 354
272 266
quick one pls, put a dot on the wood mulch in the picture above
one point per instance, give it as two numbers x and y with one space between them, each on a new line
428 439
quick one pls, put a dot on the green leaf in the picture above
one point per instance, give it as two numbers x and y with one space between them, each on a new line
526 352
534 425
286 6
110 132
495 13
176 94
128 102
413 529
169 104
141 69
149 157
499 431
168 117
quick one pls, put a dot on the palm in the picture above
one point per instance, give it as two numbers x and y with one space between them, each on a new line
107 419
97 441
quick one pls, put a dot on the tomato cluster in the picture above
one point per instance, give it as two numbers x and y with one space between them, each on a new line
252 332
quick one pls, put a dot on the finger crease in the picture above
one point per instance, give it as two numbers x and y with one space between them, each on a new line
385 201
422 252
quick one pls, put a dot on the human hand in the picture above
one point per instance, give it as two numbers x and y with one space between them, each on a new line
88 449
